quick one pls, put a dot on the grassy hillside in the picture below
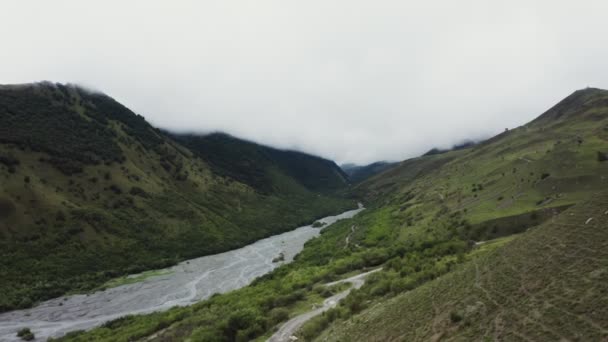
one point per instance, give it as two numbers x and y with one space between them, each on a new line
548 284
90 191
509 184
425 216
543 166
358 173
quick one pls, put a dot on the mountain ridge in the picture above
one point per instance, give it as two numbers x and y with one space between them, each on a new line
90 191
428 219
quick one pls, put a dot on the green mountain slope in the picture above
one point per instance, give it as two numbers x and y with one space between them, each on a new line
357 173
423 218
250 163
89 191
548 284
509 184
543 166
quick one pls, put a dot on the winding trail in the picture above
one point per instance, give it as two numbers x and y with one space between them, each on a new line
287 330
347 240
183 284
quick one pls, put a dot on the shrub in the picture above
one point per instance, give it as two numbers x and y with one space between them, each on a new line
240 320
115 189
118 322
314 327
602 156
277 315
7 207
455 316
137 191
26 334
318 224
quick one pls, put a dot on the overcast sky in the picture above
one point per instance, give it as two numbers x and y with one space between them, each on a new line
355 81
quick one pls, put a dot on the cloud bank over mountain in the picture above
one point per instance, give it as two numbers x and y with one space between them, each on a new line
355 81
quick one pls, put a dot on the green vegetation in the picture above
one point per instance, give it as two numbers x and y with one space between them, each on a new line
131 279
249 163
547 284
254 311
442 226
26 334
91 192
318 224
524 178
360 173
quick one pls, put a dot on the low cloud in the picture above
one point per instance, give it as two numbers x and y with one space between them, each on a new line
355 81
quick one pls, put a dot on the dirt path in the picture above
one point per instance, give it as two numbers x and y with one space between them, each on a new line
347 240
288 329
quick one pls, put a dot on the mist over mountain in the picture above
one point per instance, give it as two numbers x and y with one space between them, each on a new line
280 171
91 191
387 80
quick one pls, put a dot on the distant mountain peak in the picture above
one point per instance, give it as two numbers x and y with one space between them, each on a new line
573 104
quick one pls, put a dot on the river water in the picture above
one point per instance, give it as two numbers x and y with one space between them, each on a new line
183 284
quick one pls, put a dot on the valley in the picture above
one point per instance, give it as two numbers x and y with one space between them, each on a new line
180 285
304 171
497 240
90 191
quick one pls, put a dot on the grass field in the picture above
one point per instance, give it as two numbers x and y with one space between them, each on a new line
548 284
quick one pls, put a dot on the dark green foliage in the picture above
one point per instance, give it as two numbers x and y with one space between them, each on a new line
455 316
26 334
137 191
360 173
135 125
98 219
509 225
602 156
254 164
9 161
318 224
32 119
7 207
277 315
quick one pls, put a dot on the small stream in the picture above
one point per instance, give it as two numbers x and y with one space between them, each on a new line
183 284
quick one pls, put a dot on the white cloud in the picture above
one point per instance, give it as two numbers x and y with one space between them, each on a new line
349 80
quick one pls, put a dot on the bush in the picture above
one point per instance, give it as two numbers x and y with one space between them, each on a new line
318 224
244 319
137 191
455 316
26 334
323 291
314 327
277 315
602 156
118 322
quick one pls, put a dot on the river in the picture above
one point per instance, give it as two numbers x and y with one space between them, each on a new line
183 284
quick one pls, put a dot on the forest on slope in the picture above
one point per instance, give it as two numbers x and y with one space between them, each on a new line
90 191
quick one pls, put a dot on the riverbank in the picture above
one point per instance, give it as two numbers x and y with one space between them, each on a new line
186 283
